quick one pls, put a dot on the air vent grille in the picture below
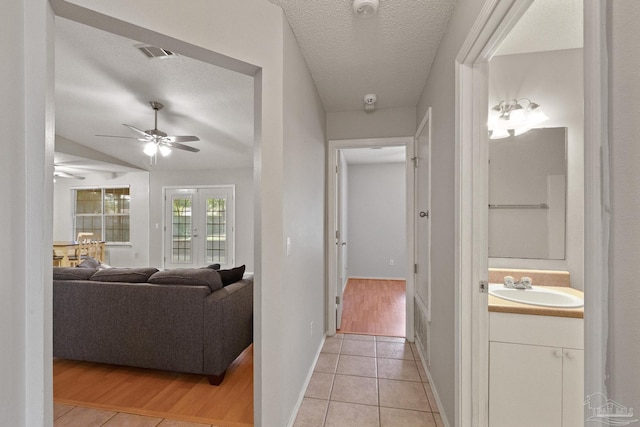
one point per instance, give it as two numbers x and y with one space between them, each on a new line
155 52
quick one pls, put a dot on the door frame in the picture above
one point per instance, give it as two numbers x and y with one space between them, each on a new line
495 20
332 252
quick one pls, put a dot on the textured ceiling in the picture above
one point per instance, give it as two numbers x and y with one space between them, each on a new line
389 54
103 81
546 25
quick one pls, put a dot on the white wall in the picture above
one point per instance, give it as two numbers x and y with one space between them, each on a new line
377 220
26 169
134 255
303 290
623 355
553 80
380 123
439 93
243 181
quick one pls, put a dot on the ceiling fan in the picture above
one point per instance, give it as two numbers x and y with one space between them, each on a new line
157 141
58 173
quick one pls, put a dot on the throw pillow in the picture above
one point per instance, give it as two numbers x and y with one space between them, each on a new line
128 275
188 276
72 273
232 275
89 262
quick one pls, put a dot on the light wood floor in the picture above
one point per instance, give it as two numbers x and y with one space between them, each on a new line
375 307
183 397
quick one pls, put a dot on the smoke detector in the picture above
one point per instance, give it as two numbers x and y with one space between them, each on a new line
365 8
369 102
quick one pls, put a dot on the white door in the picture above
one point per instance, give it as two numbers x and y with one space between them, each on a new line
199 227
341 233
422 174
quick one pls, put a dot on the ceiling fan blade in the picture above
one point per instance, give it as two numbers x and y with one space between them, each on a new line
184 138
61 174
181 146
135 129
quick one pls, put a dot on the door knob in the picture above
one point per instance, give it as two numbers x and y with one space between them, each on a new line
423 214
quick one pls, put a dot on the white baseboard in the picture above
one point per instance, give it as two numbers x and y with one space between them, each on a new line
296 408
445 421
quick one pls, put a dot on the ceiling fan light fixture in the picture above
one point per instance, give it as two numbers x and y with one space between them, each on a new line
164 150
365 8
150 149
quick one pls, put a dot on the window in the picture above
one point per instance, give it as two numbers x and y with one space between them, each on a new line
103 212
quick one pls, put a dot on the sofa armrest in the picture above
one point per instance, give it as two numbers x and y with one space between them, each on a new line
228 325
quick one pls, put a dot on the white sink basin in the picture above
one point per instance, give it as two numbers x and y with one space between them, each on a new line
536 296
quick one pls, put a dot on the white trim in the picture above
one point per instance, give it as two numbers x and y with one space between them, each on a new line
436 396
596 200
333 146
494 21
376 278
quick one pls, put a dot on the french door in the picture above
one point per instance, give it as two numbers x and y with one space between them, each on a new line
199 228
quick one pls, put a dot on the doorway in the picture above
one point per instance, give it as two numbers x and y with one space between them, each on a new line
359 216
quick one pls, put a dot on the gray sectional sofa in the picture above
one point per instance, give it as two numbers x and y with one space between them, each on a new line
175 320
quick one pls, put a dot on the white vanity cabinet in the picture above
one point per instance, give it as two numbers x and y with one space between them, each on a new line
535 371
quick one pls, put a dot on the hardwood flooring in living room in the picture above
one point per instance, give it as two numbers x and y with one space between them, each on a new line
163 395
374 307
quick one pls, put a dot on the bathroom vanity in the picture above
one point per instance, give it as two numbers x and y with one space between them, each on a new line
536 364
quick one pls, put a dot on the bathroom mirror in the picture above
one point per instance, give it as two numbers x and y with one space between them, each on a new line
527 195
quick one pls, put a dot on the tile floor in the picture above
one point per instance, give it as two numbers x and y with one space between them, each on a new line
79 416
367 381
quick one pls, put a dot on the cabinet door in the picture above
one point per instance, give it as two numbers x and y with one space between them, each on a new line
573 388
525 385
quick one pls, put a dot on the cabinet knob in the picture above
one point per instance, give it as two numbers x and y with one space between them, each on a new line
569 355
557 353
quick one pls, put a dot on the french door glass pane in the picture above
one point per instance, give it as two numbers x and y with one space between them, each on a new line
216 249
181 230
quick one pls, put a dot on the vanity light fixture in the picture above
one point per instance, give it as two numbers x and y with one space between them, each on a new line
511 118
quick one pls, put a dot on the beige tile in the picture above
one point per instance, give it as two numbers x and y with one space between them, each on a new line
347 388
84 417
357 365
359 348
391 339
59 409
403 395
352 415
390 417
312 413
327 362
132 420
396 369
320 385
176 423
414 350
392 350
339 336
359 337
332 345
431 397
439 422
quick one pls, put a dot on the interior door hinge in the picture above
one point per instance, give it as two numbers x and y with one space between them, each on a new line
415 268
338 300
484 286
416 162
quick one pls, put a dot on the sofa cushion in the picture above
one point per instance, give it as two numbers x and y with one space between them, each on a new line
128 275
231 275
188 276
72 273
89 262
213 266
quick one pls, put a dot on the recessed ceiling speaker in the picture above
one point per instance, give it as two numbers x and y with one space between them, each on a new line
365 8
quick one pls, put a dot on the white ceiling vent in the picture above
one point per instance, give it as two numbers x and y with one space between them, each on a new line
155 52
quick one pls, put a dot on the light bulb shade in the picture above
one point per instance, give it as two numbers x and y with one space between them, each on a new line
164 150
536 117
521 130
499 134
150 149
516 117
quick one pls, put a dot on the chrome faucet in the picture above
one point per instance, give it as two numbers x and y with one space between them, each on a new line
523 283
